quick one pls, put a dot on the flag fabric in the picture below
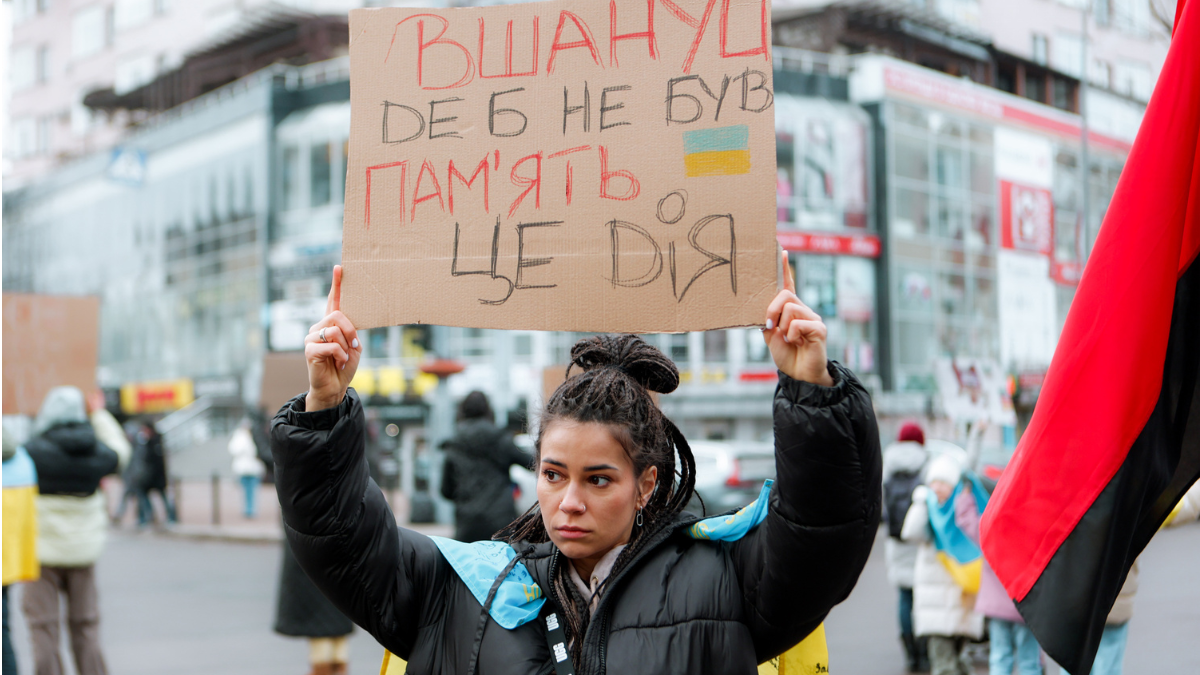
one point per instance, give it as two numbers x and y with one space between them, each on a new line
1114 441
958 554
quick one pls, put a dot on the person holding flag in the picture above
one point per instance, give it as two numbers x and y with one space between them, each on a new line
943 513
1114 442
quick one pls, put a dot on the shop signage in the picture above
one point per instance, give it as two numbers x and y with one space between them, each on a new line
1026 218
862 245
1066 273
156 397
561 165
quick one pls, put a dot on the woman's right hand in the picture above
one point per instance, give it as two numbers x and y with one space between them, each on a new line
332 351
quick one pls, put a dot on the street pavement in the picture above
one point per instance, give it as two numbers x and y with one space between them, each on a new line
205 604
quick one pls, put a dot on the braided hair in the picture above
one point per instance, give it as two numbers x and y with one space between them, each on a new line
613 389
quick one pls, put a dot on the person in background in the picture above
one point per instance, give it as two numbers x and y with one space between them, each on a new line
303 611
20 529
1012 643
246 465
475 475
903 463
71 455
154 474
942 609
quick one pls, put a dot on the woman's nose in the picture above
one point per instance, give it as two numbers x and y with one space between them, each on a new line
572 501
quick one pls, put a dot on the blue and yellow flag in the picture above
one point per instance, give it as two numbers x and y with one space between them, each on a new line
960 555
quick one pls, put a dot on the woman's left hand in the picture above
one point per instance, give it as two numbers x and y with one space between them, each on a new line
796 335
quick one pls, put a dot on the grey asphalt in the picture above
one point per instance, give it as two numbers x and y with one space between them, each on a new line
180 605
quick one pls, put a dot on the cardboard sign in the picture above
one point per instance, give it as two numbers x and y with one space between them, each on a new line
49 341
563 165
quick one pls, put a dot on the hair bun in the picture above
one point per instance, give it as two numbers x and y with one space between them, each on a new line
630 354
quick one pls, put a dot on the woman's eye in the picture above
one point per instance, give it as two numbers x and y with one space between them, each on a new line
550 475
600 481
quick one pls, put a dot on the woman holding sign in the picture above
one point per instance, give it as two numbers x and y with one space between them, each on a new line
606 573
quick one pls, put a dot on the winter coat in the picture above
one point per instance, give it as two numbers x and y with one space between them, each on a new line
301 609
72 512
992 600
901 556
681 605
245 454
475 478
940 606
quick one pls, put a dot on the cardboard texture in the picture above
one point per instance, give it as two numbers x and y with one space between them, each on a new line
49 341
570 165
284 376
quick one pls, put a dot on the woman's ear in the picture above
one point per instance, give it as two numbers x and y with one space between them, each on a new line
646 483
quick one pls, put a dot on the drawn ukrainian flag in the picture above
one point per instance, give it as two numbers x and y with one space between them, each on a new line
724 151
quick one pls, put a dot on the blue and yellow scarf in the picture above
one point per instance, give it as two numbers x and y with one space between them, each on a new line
961 556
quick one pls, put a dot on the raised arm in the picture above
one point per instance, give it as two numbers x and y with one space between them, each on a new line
807 554
385 579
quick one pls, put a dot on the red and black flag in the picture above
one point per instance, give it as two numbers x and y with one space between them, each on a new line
1115 438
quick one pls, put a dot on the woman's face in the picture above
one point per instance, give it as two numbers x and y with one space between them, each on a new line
587 489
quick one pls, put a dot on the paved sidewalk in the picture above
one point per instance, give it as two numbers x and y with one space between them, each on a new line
200 519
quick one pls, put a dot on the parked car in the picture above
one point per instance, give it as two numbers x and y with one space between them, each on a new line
729 474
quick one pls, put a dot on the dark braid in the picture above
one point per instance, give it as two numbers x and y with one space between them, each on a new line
618 374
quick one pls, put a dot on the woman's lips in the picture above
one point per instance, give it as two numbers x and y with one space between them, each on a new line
568 532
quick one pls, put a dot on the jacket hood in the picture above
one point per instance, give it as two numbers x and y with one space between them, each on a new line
62 405
903 456
73 438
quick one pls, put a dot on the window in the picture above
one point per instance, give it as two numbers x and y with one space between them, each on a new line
319 173
23 72
1041 49
43 64
44 125
911 217
132 13
1067 55
88 31
912 157
1133 79
1100 73
23 138
1035 87
290 178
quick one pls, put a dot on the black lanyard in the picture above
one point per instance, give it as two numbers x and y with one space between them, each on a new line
556 638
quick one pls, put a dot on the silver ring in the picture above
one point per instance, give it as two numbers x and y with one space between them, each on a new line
322 335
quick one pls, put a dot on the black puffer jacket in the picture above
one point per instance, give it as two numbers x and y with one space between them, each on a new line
475 478
70 460
682 606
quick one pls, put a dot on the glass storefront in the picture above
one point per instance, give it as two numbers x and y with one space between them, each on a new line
823 193
941 201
